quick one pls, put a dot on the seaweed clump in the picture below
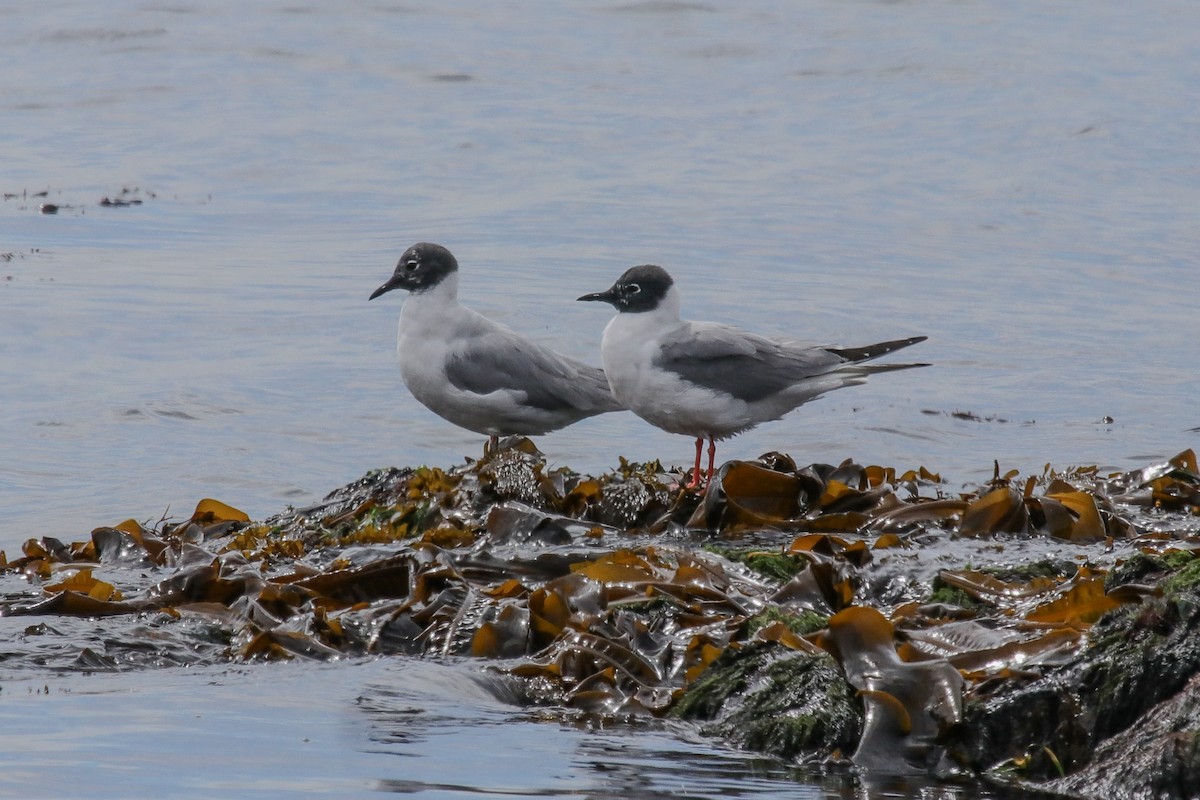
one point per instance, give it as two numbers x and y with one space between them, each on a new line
828 614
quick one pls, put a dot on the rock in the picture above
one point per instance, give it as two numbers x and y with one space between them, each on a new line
1157 757
769 699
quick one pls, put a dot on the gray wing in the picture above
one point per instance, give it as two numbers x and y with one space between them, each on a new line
741 364
503 361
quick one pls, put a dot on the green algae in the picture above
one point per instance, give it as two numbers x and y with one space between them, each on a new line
1025 572
1186 579
781 567
945 594
799 623
769 699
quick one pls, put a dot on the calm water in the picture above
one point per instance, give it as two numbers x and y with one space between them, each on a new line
395 726
1015 180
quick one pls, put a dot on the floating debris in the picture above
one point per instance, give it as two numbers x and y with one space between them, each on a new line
128 196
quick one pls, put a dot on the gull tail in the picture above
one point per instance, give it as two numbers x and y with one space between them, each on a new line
854 355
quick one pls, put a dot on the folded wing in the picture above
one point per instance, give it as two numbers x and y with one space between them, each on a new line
502 361
752 368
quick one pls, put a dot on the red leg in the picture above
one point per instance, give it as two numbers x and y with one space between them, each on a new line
696 469
712 454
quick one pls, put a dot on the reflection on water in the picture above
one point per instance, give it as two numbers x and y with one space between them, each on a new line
497 749
357 728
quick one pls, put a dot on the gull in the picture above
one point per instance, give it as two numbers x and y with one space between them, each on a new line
713 381
477 373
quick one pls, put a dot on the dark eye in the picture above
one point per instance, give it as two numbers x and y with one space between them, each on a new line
411 265
632 288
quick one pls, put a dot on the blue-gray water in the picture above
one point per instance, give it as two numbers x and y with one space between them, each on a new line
352 729
1017 180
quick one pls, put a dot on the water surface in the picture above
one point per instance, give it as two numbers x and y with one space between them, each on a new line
1016 181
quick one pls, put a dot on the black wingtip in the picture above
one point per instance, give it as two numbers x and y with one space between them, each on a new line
857 354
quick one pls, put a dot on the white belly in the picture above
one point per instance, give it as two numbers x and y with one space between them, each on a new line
660 397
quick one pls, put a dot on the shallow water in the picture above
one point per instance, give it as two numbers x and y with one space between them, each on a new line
356 729
1015 181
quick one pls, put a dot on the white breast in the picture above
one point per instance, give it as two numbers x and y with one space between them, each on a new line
629 349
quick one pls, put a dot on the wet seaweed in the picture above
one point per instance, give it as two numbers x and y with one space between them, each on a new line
627 594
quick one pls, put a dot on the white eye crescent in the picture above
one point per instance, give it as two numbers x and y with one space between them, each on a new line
411 265
633 288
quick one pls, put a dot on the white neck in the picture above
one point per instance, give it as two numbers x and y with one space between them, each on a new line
432 308
445 291
668 308
628 333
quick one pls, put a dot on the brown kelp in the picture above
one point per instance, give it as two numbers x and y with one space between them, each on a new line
847 613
